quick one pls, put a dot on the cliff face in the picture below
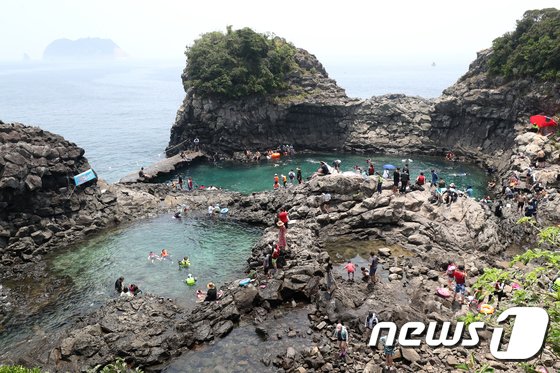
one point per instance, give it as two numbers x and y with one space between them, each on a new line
479 116
307 116
483 115
38 199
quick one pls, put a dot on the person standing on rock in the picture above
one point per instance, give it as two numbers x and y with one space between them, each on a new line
460 283
379 183
374 261
196 142
283 217
350 268
450 271
331 285
396 179
435 179
299 177
281 235
341 334
389 351
404 182
119 285
180 182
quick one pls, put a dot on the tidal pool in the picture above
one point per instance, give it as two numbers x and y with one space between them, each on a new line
255 177
244 351
218 250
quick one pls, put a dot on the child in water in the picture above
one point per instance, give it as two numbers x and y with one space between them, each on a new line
152 256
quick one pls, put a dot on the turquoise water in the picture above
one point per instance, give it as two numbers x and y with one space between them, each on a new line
256 177
218 250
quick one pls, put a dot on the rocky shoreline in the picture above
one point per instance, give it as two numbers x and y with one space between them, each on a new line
432 233
480 118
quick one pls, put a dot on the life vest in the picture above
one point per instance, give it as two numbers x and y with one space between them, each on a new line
276 179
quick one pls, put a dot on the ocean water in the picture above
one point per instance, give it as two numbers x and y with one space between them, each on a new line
121 113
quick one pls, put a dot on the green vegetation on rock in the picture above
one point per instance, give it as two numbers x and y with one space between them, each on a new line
532 50
238 63
535 270
18 369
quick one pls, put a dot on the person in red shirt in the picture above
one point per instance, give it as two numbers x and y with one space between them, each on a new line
460 282
283 217
350 268
421 180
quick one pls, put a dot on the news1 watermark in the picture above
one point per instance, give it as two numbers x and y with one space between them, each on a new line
527 336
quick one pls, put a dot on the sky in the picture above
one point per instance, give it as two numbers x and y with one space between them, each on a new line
389 31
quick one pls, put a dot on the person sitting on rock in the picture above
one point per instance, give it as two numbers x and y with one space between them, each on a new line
365 274
126 293
119 285
212 293
134 290
323 170
142 175
421 179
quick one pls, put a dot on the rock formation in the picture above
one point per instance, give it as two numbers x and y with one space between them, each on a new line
478 117
150 331
84 49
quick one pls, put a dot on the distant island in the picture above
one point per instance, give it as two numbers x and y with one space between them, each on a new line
83 48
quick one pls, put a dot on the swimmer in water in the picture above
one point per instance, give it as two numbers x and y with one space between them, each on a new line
164 254
152 256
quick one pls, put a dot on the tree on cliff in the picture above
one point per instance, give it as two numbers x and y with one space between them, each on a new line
238 63
532 50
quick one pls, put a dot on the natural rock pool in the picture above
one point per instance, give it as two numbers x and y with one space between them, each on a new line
218 250
255 177
244 351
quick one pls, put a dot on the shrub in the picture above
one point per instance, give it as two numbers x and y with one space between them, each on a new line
532 50
238 63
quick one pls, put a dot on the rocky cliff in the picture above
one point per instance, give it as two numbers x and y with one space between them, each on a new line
483 114
37 194
478 117
307 115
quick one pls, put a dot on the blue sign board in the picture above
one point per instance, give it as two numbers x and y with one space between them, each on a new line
84 177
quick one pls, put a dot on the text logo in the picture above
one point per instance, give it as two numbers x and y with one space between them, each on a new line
526 340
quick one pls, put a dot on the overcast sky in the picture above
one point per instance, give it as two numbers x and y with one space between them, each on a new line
389 30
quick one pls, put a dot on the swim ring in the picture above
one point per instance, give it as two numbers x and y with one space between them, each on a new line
185 263
443 292
275 155
486 309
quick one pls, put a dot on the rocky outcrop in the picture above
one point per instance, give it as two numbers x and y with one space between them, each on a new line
150 331
478 117
307 115
40 205
482 114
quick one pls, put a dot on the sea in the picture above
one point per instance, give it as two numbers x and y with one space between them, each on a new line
121 112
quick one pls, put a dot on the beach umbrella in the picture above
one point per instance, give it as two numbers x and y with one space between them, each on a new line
542 121
389 167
